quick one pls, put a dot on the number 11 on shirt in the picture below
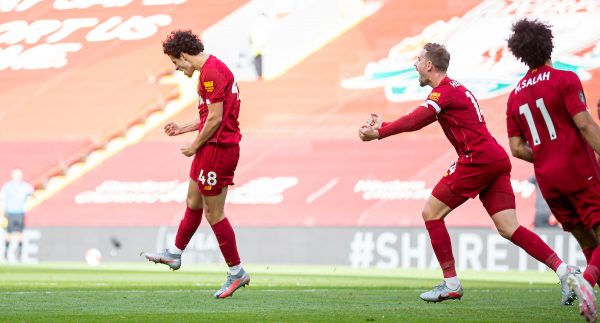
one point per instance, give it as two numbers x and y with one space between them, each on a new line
524 110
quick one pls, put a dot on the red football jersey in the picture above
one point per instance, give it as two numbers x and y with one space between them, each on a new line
460 117
216 84
540 109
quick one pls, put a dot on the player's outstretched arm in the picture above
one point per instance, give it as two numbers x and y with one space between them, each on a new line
417 119
173 129
520 149
589 129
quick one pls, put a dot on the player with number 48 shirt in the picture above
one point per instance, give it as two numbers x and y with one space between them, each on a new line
549 125
483 168
216 152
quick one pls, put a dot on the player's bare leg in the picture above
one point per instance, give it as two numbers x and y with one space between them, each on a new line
434 213
508 226
188 226
215 215
19 252
7 245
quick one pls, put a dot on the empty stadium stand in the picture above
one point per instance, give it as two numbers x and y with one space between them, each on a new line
302 163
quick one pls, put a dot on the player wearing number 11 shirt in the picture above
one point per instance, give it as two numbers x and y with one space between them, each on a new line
483 168
549 125
216 152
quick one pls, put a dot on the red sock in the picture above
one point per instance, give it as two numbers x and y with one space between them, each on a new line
592 271
587 252
535 247
442 246
226 237
187 227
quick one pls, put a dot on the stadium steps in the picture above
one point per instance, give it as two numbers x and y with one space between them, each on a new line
91 156
56 122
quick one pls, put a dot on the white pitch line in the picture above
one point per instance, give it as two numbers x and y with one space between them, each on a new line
311 198
106 291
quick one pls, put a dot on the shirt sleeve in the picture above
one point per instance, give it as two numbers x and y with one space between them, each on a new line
512 126
573 95
437 101
413 121
214 86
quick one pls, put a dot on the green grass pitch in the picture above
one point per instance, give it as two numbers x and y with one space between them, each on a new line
144 292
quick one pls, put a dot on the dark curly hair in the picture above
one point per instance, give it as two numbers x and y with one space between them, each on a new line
531 42
438 55
182 41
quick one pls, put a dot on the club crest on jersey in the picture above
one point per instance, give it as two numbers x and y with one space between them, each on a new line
451 170
209 86
434 96
207 187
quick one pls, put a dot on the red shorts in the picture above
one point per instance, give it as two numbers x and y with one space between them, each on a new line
213 167
491 181
579 207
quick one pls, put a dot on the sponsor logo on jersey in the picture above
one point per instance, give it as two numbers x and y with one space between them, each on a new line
209 86
207 187
434 96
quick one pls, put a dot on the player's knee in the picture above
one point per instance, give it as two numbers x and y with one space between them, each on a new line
194 205
429 215
506 231
506 222
193 202
425 215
